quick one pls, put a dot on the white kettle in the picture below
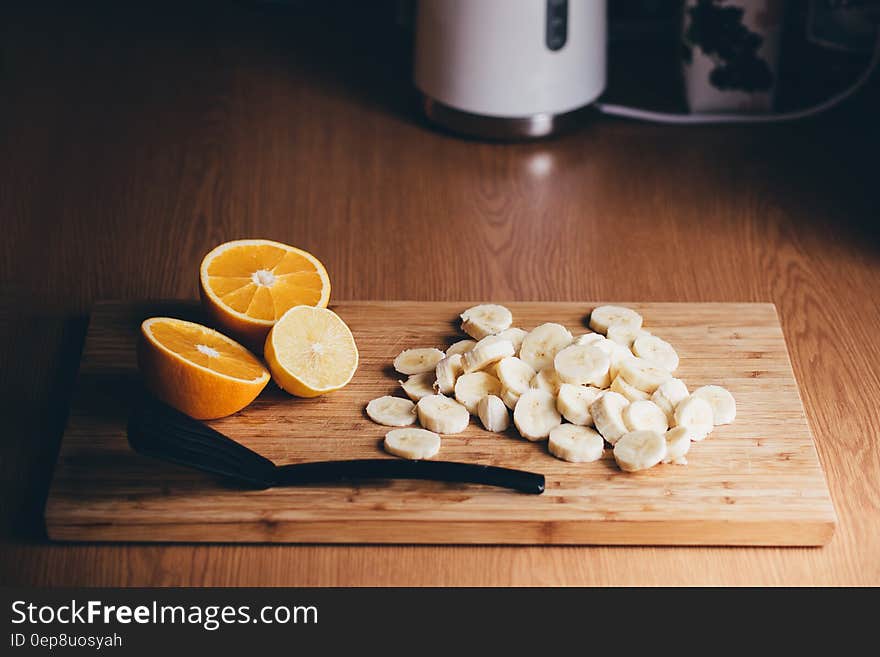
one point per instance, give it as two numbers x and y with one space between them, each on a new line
509 68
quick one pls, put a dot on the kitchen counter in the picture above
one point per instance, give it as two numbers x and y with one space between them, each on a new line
133 144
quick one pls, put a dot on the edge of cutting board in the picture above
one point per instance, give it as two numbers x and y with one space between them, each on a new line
647 533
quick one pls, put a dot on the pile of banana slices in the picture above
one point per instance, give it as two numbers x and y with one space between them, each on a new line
614 385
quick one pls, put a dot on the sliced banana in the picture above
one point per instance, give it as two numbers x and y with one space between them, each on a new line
493 414
460 347
547 380
491 369
487 351
541 345
447 372
645 416
616 354
471 388
696 414
625 334
582 365
515 374
678 442
574 402
667 395
722 402
516 337
632 393
442 414
618 379
607 412
576 444
412 443
640 450
485 319
418 361
643 375
509 397
587 339
656 351
604 383
392 411
604 316
417 386
535 415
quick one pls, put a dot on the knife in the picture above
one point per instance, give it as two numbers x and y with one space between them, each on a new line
160 431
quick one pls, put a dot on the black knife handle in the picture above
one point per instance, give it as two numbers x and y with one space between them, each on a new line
333 471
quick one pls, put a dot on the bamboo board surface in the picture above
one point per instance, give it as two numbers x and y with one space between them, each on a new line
755 482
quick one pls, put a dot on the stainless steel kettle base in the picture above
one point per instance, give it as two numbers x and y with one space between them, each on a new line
503 128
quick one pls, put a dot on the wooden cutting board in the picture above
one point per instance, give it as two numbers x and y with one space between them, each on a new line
755 482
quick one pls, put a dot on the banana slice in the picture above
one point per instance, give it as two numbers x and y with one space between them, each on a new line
487 351
490 369
574 402
678 442
471 388
625 334
582 365
642 375
442 414
547 380
418 385
604 316
603 343
587 339
617 353
392 411
460 347
447 372
418 361
604 383
486 319
412 443
516 337
632 393
667 395
540 347
640 450
607 412
570 442
696 414
645 416
509 397
493 414
656 351
535 415
515 374
722 402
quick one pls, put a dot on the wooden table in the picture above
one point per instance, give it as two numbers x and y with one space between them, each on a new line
133 143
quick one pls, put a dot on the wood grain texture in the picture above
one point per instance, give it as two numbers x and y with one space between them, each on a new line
137 139
755 482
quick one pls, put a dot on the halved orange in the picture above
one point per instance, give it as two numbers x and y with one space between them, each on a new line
311 351
197 370
246 285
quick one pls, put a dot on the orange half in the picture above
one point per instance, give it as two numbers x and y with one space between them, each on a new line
197 370
247 285
311 351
